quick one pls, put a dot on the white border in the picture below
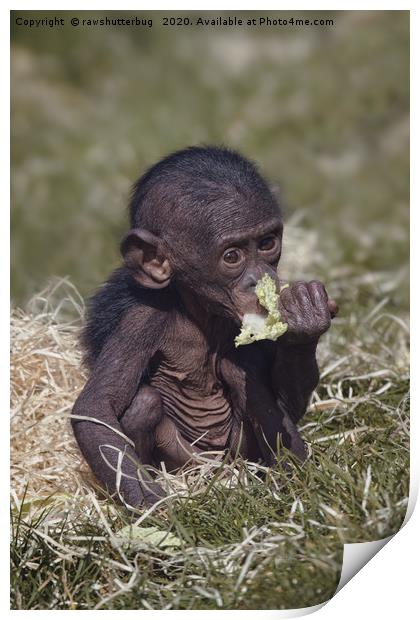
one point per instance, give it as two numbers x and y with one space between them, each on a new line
388 585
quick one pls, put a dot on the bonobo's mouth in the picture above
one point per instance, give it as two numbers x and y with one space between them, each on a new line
266 323
256 315
254 308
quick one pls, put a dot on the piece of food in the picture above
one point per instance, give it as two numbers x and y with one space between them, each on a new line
257 327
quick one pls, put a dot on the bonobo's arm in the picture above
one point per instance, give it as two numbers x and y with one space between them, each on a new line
294 377
308 312
114 381
247 373
271 382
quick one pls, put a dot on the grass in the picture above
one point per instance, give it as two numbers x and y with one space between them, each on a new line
325 113
247 541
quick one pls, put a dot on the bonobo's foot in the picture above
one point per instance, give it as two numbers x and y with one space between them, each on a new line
171 447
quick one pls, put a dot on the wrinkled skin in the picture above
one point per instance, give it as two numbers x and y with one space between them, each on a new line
160 334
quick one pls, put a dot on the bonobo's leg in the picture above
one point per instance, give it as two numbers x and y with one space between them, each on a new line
139 422
155 436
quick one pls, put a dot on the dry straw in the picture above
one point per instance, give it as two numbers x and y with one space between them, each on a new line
46 377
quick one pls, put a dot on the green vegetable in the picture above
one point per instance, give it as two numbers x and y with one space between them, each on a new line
255 327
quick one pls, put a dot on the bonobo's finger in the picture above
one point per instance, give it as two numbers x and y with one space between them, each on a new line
333 308
318 294
287 300
150 495
302 296
320 301
152 492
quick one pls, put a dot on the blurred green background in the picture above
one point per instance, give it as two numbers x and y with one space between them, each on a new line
323 110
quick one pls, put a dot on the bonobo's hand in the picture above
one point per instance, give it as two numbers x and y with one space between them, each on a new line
307 310
153 493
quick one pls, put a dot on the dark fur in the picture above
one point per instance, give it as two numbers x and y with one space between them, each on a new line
159 333
198 175
106 308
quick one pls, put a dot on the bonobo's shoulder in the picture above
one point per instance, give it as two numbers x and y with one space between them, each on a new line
121 299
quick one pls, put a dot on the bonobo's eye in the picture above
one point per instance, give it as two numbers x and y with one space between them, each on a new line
268 244
233 257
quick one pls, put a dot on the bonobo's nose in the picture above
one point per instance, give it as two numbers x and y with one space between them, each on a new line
249 281
253 275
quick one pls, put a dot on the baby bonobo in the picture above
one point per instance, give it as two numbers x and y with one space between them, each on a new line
166 380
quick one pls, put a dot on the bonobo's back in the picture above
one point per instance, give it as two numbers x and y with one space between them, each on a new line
104 312
107 307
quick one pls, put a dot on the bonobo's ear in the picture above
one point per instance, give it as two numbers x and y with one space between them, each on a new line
142 255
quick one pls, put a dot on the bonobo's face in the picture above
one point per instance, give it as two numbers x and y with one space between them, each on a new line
227 270
212 237
243 259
